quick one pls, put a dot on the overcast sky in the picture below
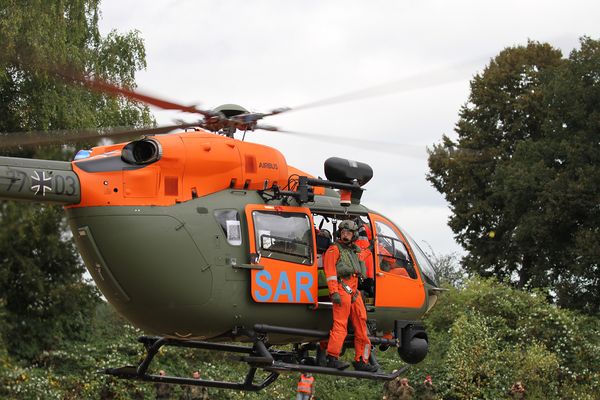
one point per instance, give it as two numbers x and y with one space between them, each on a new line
274 53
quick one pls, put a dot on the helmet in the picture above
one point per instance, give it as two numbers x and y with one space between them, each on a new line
349 225
324 232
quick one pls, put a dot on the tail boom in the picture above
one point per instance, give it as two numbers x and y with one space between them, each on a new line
41 181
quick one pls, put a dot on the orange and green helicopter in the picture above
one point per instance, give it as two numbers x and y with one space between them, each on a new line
202 239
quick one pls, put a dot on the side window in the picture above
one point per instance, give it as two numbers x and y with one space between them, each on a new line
392 252
283 236
230 223
424 263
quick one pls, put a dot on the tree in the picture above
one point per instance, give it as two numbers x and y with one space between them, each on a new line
448 270
522 179
41 284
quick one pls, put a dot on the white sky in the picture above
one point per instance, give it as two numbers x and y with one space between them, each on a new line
273 53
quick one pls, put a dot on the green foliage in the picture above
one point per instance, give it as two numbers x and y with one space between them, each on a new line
524 176
489 335
45 298
473 356
41 37
41 285
448 269
483 338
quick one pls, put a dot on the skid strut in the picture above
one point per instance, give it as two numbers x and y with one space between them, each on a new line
259 355
153 344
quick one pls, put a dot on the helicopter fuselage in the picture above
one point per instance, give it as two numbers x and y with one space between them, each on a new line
181 238
172 271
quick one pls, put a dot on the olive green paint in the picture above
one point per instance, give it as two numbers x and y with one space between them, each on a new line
169 269
176 275
41 181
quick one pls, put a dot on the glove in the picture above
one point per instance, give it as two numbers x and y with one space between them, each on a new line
336 298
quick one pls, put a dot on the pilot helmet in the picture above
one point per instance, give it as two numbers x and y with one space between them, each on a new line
349 225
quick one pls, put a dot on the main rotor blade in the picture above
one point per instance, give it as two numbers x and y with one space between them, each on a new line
27 139
437 77
69 74
406 150
109 88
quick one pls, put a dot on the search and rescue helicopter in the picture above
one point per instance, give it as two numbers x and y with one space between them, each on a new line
203 239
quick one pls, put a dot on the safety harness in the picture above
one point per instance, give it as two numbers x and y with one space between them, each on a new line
353 262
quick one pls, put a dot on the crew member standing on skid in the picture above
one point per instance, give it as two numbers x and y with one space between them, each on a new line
343 270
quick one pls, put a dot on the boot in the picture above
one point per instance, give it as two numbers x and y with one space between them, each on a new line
333 362
373 359
360 365
321 357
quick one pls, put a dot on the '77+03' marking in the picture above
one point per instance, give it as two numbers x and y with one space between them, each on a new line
62 184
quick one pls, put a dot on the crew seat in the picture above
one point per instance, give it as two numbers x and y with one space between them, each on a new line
323 243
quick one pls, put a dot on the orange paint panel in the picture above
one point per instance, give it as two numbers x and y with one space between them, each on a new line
213 170
192 164
107 149
250 164
141 182
282 281
100 188
171 185
132 187
270 166
394 289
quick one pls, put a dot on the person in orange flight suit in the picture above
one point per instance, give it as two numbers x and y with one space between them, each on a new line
342 271
388 263
365 242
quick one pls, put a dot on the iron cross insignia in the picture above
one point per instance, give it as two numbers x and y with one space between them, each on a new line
41 183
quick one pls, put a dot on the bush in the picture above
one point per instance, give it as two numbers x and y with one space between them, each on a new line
489 335
483 338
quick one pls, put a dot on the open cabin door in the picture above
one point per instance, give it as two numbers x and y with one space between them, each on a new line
283 244
397 280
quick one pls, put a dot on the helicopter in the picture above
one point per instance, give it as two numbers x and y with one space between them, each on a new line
202 239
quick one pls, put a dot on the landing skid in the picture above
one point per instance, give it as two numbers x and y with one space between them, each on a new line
256 356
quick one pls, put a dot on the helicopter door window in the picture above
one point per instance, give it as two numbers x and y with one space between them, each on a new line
392 252
230 223
423 261
284 236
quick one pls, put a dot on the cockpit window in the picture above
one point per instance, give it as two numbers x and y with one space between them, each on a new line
392 252
284 236
423 261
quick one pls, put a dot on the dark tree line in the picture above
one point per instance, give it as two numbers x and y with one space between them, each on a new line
43 297
523 177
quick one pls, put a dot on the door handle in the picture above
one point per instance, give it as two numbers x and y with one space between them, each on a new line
380 274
